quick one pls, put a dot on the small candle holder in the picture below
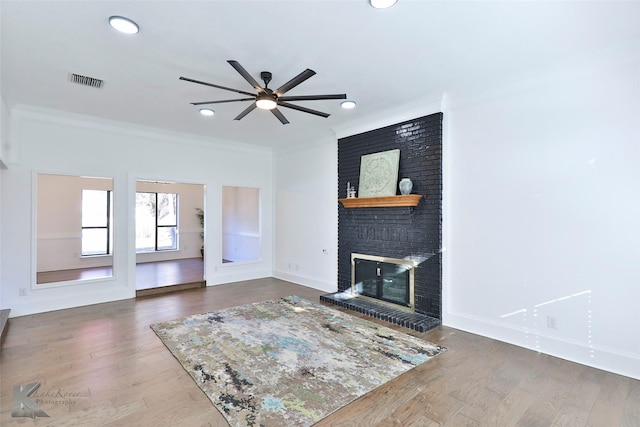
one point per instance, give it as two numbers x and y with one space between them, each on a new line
351 191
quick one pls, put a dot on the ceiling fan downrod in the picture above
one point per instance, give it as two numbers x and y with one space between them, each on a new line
266 78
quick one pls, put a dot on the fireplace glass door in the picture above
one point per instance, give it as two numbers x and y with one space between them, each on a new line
382 280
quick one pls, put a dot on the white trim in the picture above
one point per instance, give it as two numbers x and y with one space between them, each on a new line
623 363
23 111
391 116
306 281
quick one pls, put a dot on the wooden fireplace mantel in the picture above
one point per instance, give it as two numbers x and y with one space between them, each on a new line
381 202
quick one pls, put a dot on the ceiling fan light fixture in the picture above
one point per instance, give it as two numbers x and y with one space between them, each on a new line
348 105
124 25
265 102
207 112
269 99
382 4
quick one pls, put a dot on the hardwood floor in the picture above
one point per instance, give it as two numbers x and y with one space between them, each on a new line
75 274
102 365
149 275
4 316
169 273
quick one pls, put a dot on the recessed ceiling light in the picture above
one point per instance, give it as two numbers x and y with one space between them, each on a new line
347 105
382 4
206 112
124 25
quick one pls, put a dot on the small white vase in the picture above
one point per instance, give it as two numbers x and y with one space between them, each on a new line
405 186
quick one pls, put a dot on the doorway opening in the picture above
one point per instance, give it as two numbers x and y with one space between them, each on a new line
169 237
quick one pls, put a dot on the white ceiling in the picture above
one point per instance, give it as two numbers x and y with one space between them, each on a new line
382 59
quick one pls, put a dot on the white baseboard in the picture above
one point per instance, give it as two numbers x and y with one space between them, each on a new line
30 307
306 281
607 359
222 278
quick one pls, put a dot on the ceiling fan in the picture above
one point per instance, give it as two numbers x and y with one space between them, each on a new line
266 98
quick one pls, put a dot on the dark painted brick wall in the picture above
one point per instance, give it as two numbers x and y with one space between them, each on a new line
397 232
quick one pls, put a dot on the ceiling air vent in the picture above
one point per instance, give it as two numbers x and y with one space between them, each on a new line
87 81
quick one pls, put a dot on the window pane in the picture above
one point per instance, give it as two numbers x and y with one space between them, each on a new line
146 205
167 238
94 208
110 222
145 221
156 221
167 209
94 241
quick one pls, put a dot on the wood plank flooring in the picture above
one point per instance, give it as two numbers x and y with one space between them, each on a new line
4 316
103 366
74 274
149 275
169 273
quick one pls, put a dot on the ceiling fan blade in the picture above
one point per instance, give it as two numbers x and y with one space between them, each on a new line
294 82
249 109
312 97
303 109
244 73
223 101
280 116
216 86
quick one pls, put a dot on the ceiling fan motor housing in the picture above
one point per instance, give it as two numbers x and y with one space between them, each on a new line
266 78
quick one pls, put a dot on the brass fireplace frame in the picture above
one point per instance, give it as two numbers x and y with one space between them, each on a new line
412 266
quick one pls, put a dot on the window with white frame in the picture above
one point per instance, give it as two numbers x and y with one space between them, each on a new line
156 222
97 212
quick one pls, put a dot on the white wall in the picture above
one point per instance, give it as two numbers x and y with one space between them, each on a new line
306 180
542 212
4 133
53 142
4 145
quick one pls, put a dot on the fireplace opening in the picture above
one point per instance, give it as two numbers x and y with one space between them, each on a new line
390 280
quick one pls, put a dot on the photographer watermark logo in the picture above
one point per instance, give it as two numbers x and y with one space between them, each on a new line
23 406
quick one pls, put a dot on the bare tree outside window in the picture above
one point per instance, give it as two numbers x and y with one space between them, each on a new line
156 222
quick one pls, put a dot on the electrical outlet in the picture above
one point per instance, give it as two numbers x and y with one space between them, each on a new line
551 322
22 292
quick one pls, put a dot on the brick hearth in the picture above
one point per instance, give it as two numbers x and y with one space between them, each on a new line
416 321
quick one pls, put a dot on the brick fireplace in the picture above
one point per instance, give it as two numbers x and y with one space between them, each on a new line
400 232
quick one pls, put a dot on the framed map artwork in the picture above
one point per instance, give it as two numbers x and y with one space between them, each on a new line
379 174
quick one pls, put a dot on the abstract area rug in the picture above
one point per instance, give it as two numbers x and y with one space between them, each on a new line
288 362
